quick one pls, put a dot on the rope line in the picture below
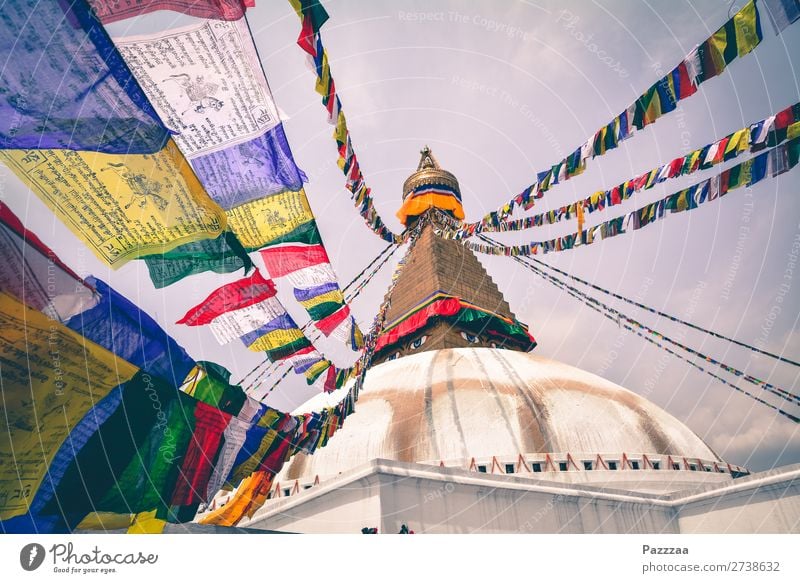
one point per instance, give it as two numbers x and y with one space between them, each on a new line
665 315
616 316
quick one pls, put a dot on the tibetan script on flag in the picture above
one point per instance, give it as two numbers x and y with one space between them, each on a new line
281 218
206 83
121 206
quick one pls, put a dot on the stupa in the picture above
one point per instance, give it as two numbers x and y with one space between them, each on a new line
461 428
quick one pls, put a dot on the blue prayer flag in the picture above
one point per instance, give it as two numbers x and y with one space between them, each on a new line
282 322
249 171
306 294
33 521
65 85
121 327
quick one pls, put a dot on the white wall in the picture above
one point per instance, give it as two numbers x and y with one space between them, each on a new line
429 499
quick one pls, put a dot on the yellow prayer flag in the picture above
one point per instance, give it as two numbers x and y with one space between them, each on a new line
249 489
147 523
793 131
600 141
653 110
334 296
123 206
298 7
744 22
317 369
746 172
324 80
693 158
105 521
263 221
682 202
340 132
651 179
52 377
260 494
276 339
739 142
717 45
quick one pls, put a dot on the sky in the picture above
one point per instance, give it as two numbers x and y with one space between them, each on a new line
499 91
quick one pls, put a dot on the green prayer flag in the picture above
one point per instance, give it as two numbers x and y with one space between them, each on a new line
224 254
149 479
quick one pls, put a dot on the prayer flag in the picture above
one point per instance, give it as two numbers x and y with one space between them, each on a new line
206 83
321 300
123 206
236 323
223 254
233 296
280 218
51 378
747 24
113 10
782 13
275 341
65 85
250 170
33 274
35 520
124 329
286 259
198 461
147 523
233 439
150 476
682 82
111 447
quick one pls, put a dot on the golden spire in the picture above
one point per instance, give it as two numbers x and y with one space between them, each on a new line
429 172
427 160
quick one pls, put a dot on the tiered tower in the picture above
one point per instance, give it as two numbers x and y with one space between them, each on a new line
444 297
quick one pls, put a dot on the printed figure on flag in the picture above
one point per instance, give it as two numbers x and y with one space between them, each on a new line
141 187
251 155
199 91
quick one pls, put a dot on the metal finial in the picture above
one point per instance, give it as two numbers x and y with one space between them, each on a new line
427 159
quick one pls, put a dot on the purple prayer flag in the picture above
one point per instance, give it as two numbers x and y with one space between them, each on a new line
249 171
65 85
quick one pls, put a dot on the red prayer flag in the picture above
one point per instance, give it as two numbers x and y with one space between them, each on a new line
615 196
685 85
784 119
641 181
233 296
273 461
724 179
306 39
719 155
286 259
198 463
328 324
32 272
331 99
675 167
330 381
11 221
113 10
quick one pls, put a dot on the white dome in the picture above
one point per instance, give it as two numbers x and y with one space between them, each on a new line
457 404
